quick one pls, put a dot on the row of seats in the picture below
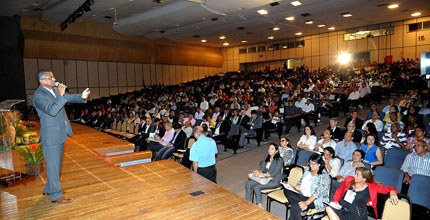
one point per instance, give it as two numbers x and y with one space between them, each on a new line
419 197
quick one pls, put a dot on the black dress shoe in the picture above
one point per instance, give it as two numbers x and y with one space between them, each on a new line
47 194
240 147
234 152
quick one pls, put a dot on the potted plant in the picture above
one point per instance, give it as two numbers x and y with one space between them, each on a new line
33 157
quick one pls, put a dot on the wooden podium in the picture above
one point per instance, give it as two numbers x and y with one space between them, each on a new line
8 175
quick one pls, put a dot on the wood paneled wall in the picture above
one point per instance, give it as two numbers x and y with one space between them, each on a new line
110 78
322 49
92 55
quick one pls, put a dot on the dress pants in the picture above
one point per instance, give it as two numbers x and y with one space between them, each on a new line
208 172
294 198
53 156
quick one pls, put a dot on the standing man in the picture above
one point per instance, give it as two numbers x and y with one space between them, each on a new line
55 127
203 153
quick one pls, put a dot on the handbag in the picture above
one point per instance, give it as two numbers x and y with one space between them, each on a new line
261 180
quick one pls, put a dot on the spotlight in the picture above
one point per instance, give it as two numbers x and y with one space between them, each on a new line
344 58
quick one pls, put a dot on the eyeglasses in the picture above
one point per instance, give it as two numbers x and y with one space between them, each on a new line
50 78
283 140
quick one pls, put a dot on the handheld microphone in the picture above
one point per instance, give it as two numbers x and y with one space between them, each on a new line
56 84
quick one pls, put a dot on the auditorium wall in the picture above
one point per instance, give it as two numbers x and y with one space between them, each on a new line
322 49
93 55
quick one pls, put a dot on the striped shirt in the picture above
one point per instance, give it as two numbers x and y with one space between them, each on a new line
415 164
389 142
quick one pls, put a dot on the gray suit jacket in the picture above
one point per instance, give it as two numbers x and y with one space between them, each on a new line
55 127
275 169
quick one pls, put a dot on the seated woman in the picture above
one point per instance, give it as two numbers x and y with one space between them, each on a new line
271 168
348 168
311 190
373 153
326 141
307 140
332 164
285 150
357 191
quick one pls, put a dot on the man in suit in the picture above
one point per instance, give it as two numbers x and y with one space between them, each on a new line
338 133
177 142
244 127
221 131
144 131
354 118
49 102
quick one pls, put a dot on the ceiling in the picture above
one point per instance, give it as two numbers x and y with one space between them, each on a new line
190 21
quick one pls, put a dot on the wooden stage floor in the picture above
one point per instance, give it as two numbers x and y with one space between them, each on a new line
157 190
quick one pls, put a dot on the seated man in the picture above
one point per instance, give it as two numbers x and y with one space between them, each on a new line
345 148
356 135
308 110
416 163
338 133
395 138
291 116
177 142
159 142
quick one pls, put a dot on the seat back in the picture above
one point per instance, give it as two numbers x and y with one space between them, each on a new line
190 142
113 125
295 174
395 157
124 127
418 190
400 211
136 129
303 157
198 122
389 177
118 125
131 129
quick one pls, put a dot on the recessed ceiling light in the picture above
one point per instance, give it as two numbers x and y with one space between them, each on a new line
203 41
296 3
270 37
416 14
321 25
309 22
299 33
222 37
331 28
276 28
35 4
262 12
225 44
244 41
94 15
393 6
111 8
24 9
291 18
346 14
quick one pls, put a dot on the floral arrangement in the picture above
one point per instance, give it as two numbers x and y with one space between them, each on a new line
32 154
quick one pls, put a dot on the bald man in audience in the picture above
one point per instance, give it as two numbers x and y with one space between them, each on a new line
345 148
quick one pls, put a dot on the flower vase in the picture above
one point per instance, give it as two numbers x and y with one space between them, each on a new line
34 169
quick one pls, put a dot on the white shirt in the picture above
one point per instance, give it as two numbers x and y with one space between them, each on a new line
51 91
378 124
308 108
305 187
204 105
311 141
354 95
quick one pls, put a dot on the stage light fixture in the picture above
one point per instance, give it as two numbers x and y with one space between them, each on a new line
85 7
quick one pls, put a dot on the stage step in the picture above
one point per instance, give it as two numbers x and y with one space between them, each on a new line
115 150
131 159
